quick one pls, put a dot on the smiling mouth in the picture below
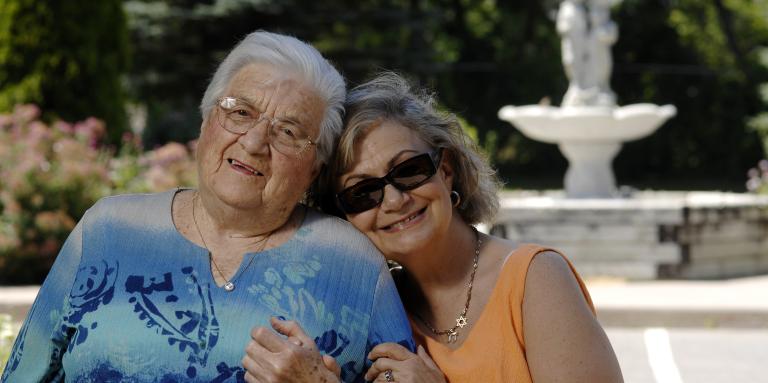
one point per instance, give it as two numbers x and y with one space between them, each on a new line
243 168
404 223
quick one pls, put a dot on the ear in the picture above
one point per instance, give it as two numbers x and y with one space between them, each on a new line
446 169
316 171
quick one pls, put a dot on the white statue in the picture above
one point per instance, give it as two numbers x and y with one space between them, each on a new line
587 37
603 34
572 26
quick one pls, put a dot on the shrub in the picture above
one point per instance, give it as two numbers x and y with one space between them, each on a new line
50 174
8 332
67 56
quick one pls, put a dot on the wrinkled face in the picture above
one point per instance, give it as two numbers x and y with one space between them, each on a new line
244 170
406 221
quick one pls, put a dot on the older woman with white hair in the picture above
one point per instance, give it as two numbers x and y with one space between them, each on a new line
166 287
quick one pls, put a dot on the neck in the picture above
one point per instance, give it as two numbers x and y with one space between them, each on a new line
234 224
447 261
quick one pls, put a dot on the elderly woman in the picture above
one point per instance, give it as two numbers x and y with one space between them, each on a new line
483 308
166 287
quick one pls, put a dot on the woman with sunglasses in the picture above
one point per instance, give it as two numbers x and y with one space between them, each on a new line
485 309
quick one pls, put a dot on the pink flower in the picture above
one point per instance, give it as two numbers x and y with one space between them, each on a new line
26 112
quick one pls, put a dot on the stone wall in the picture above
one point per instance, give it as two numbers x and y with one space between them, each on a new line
651 235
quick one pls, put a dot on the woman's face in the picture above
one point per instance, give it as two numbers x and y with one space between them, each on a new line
406 221
244 171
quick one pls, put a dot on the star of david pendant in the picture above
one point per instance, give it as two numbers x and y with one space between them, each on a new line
229 286
461 321
452 336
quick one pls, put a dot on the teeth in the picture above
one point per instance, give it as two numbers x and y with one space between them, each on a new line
242 166
402 223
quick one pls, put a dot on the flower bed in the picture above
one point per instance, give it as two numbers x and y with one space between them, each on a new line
51 173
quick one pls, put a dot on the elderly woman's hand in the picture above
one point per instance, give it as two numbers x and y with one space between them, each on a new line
394 363
271 358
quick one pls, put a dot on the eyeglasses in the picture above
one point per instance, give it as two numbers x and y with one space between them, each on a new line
407 175
238 117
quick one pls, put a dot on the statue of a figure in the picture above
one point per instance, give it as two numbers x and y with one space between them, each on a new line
572 26
603 34
587 37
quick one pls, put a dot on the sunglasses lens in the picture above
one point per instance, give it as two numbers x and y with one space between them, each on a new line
412 173
364 195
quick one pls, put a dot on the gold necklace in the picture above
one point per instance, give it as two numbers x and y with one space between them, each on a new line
461 320
229 284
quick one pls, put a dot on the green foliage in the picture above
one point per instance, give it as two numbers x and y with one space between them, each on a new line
479 55
8 332
66 56
704 58
50 174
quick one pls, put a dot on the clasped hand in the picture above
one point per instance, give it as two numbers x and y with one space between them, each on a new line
270 358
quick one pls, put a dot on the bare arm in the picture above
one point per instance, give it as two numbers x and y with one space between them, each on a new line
564 342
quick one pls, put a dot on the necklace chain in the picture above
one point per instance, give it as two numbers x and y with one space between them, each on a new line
229 284
461 320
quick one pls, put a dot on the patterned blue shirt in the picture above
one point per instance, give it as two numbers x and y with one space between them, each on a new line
130 299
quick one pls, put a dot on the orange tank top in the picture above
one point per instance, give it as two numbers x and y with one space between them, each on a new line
494 351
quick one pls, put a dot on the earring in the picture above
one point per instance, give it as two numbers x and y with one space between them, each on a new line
455 198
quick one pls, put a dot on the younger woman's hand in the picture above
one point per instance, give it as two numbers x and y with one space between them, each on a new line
294 359
395 363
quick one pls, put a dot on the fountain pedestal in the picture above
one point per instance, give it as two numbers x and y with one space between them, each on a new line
589 137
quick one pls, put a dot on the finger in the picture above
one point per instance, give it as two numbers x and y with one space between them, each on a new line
255 361
292 329
295 340
422 353
268 339
379 366
390 350
331 365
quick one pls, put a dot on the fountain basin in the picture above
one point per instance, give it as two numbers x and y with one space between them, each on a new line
589 137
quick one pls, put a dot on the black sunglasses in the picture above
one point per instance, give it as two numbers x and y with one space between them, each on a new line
407 175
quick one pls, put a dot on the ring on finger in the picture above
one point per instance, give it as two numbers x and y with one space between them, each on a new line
388 376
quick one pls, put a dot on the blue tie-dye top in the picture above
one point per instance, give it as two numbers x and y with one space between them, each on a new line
130 299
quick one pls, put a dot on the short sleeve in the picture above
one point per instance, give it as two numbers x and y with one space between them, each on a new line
36 354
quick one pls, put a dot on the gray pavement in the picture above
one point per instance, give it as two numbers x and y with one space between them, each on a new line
732 303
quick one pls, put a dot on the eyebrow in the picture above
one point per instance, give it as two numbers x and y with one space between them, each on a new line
290 117
390 164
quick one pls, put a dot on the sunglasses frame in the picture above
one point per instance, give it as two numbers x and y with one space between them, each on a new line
435 158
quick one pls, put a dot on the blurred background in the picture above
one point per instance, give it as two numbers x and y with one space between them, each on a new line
101 97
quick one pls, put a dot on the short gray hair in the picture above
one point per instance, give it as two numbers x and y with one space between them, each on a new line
389 97
292 54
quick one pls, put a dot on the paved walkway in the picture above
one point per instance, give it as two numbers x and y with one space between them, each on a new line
741 302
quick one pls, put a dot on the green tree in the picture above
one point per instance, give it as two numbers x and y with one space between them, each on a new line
67 57
479 55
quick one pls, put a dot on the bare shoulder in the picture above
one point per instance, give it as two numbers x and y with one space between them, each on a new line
560 328
549 267
551 288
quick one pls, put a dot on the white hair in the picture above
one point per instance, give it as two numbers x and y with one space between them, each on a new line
292 54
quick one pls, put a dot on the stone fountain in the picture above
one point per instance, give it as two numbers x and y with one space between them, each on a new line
589 128
648 235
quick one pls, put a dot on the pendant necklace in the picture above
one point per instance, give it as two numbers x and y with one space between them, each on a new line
229 284
461 320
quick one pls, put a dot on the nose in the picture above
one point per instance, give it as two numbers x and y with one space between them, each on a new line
394 199
256 139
